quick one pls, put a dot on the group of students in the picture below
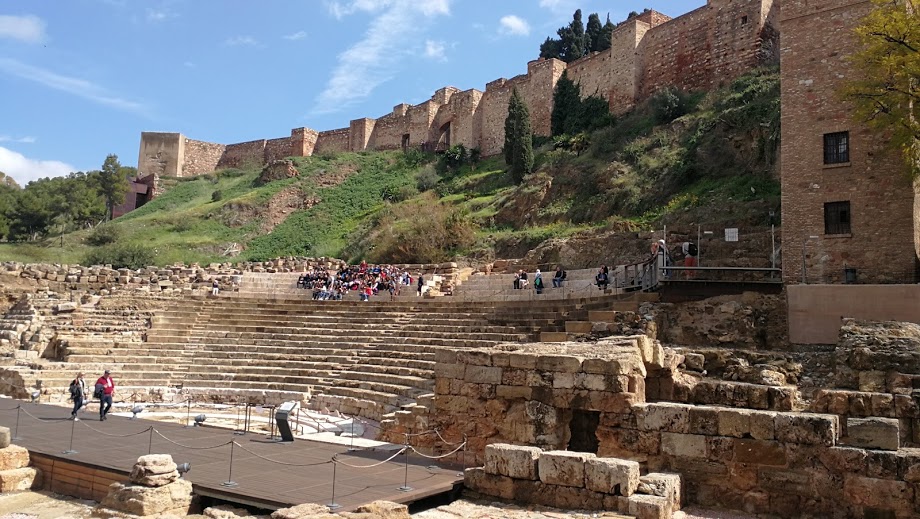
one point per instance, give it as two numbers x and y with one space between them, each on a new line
366 280
103 390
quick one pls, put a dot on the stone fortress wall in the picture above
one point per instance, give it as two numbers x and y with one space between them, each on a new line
701 49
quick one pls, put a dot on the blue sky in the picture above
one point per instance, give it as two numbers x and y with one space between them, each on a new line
83 78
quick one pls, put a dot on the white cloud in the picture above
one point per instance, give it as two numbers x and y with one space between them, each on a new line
74 86
24 169
375 59
514 25
159 15
29 28
340 9
299 35
21 140
435 50
238 41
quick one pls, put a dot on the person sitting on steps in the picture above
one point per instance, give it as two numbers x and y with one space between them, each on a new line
558 277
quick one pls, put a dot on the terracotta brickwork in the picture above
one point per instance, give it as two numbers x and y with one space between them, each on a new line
879 238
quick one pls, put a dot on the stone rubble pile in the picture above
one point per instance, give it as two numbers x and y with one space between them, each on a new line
154 489
15 472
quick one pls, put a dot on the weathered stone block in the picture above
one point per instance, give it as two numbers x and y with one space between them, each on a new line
14 480
815 429
883 493
873 433
734 422
14 457
477 480
302 510
142 500
514 461
759 452
644 506
761 425
526 361
704 420
687 445
662 485
474 357
665 417
612 476
5 437
559 363
452 370
483 375
513 392
384 509
563 468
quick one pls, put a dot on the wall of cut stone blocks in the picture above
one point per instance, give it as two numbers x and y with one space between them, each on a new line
200 157
574 480
332 141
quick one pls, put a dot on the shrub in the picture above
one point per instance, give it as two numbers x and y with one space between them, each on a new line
426 179
668 104
104 234
121 255
422 232
217 196
415 157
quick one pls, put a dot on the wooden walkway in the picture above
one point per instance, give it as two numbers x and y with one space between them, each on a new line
267 475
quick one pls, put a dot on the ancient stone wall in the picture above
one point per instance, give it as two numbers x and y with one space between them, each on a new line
303 142
742 453
277 149
815 311
817 38
201 157
243 154
332 141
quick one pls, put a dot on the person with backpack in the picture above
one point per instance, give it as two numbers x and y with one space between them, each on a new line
538 283
691 253
105 390
78 395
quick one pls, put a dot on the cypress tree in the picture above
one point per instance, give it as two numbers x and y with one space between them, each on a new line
518 138
566 106
594 33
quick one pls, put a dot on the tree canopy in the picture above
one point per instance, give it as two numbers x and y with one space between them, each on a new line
518 138
886 86
575 42
572 114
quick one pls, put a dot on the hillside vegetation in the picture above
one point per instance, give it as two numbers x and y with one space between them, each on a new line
675 159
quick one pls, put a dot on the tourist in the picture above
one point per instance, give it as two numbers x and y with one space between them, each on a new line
538 282
77 394
663 259
602 278
517 281
559 277
105 389
215 287
691 251
524 281
421 284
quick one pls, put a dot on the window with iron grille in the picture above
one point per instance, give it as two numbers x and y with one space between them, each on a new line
836 147
837 218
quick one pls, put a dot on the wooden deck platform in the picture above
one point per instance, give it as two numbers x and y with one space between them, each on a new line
267 475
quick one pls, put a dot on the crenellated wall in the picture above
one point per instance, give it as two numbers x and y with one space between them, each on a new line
701 49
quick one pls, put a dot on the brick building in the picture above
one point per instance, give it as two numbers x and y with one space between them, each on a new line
847 202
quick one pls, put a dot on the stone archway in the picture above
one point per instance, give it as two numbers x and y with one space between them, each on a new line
444 136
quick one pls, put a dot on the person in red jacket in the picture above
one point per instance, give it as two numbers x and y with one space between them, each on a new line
108 390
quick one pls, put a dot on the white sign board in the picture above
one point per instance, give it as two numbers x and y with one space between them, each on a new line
731 234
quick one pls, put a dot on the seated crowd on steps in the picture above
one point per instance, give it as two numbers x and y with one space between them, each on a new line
366 280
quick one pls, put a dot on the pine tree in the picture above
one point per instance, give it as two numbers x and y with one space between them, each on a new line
113 183
573 39
518 138
594 33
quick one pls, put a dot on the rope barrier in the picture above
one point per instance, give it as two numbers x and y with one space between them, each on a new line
12 409
340 462
283 462
44 419
462 445
97 431
463 441
188 446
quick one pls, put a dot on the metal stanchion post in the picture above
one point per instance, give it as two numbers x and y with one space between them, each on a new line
230 483
16 433
238 431
406 487
150 442
73 425
332 504
188 412
352 447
